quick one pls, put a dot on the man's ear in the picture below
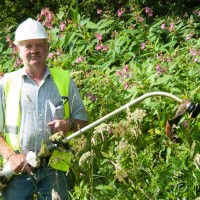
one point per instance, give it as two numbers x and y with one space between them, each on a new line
17 49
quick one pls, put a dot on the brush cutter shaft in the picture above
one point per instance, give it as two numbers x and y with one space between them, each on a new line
136 101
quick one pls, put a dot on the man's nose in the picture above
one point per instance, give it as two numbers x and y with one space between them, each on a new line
34 48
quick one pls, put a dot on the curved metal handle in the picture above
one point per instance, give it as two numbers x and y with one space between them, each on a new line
133 102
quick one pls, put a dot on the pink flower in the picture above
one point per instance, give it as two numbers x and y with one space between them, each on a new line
157 67
50 55
91 97
126 85
10 43
8 39
123 75
99 11
99 37
141 19
105 48
98 47
120 12
125 68
80 59
195 60
121 80
187 37
160 70
118 73
169 59
18 62
192 52
125 71
132 27
149 11
163 26
171 27
62 26
58 52
146 9
185 124
196 12
47 17
143 45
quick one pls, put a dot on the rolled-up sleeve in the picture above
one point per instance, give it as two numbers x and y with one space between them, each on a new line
77 108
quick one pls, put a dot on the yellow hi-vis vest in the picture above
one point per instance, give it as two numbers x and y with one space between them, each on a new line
12 88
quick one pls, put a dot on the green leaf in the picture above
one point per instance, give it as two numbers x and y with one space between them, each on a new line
107 64
54 33
104 23
60 15
74 14
193 92
162 80
179 26
84 21
91 25
68 38
104 188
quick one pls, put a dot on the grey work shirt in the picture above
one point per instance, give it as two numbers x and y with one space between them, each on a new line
39 105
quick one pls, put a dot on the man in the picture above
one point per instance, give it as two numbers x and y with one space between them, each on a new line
36 102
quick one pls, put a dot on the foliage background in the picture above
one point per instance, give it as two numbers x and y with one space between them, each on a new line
117 51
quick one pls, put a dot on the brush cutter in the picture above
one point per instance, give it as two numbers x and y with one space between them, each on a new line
34 158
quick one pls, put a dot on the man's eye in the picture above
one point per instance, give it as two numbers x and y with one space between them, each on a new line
40 45
27 46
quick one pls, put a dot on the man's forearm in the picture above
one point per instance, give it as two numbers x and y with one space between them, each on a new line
5 150
78 124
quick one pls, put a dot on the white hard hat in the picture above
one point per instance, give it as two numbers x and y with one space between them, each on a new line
30 29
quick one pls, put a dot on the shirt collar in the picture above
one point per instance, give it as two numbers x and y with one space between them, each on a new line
24 73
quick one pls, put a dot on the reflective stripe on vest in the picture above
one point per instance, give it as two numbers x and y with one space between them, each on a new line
12 88
61 160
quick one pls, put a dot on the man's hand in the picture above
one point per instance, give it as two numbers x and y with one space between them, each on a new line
64 125
18 164
59 125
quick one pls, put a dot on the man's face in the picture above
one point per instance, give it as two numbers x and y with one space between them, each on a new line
34 52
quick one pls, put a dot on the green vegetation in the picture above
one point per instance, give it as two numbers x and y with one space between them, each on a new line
114 57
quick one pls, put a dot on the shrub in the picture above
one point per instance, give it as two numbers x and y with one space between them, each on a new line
113 61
